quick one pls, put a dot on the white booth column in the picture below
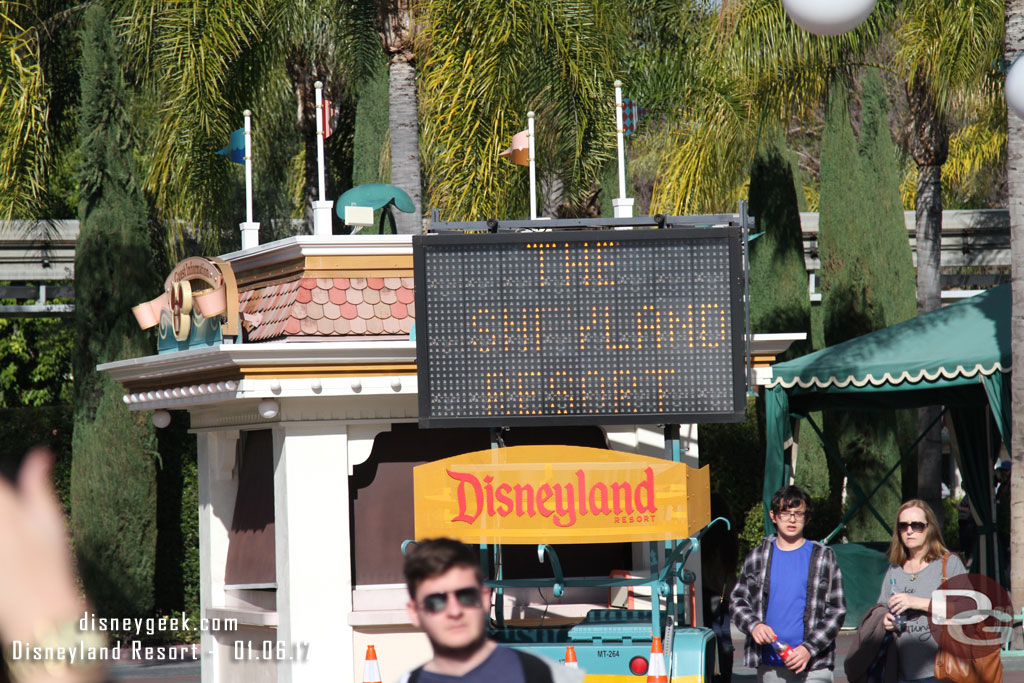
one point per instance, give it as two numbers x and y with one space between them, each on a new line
313 554
218 487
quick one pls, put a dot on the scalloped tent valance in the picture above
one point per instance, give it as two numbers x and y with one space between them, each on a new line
957 357
957 342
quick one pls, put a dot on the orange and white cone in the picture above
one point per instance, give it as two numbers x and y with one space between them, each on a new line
570 657
656 672
371 672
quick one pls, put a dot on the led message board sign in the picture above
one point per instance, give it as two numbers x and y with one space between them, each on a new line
580 327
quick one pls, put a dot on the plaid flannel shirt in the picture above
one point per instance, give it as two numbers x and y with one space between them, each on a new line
824 612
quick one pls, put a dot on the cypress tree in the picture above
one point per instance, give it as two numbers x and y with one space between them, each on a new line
778 276
891 283
865 260
371 135
779 300
113 491
892 278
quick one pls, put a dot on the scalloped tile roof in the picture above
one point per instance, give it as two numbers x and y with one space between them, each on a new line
329 307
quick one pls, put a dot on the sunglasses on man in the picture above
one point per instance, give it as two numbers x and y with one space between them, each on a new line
918 527
437 602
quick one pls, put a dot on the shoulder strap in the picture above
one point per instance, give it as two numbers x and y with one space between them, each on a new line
534 668
945 559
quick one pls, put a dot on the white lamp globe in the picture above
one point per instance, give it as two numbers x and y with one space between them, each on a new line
828 17
1014 89
161 418
268 408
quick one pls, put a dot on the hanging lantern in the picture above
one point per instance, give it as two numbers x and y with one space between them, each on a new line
828 17
1014 89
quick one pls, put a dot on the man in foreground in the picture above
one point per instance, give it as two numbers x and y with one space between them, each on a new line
449 601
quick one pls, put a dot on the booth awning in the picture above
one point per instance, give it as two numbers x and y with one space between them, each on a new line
951 346
957 357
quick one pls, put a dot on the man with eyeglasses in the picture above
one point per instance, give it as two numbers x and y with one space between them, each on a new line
449 602
790 589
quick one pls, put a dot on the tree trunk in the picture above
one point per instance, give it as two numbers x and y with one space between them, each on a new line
405 144
1015 181
929 145
302 76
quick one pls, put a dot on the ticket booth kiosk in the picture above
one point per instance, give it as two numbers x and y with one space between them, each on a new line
301 369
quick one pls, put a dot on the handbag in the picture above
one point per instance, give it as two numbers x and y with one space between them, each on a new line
949 667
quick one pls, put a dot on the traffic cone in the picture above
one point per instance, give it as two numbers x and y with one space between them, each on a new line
570 657
371 672
656 672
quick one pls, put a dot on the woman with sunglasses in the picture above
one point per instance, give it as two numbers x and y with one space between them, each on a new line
915 554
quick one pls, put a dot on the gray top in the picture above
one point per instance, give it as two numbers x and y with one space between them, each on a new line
917 647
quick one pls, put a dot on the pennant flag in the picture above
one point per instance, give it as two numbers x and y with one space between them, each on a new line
519 151
235 149
630 116
331 115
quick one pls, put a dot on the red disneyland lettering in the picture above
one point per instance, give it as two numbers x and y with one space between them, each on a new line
464 479
524 500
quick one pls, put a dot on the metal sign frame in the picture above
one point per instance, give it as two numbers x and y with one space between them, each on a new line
457 236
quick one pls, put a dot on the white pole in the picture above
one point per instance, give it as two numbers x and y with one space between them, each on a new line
533 169
322 207
619 138
622 206
320 136
250 230
248 166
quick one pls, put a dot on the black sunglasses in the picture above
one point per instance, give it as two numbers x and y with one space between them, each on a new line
437 602
918 527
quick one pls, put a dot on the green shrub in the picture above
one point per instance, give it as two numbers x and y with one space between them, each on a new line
752 531
950 524
113 487
113 502
729 448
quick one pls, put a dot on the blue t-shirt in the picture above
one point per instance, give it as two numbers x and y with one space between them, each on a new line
501 666
787 597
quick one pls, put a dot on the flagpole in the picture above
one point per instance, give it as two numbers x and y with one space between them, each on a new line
623 206
533 168
321 208
320 137
250 229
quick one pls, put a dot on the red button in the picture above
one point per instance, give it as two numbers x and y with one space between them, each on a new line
638 665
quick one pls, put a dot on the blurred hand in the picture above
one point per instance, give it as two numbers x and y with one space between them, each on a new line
37 581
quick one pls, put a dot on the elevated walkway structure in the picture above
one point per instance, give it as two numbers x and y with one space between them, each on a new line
41 252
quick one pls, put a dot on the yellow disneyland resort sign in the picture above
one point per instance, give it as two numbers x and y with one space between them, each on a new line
559 494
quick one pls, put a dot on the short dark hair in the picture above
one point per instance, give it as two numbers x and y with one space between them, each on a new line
789 497
436 556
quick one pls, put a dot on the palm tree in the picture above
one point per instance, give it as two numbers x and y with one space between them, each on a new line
483 66
1014 47
765 71
38 73
204 62
752 73
397 28
944 51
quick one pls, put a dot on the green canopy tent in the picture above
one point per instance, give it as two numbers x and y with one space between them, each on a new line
957 357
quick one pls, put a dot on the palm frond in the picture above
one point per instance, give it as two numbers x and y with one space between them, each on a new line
483 65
